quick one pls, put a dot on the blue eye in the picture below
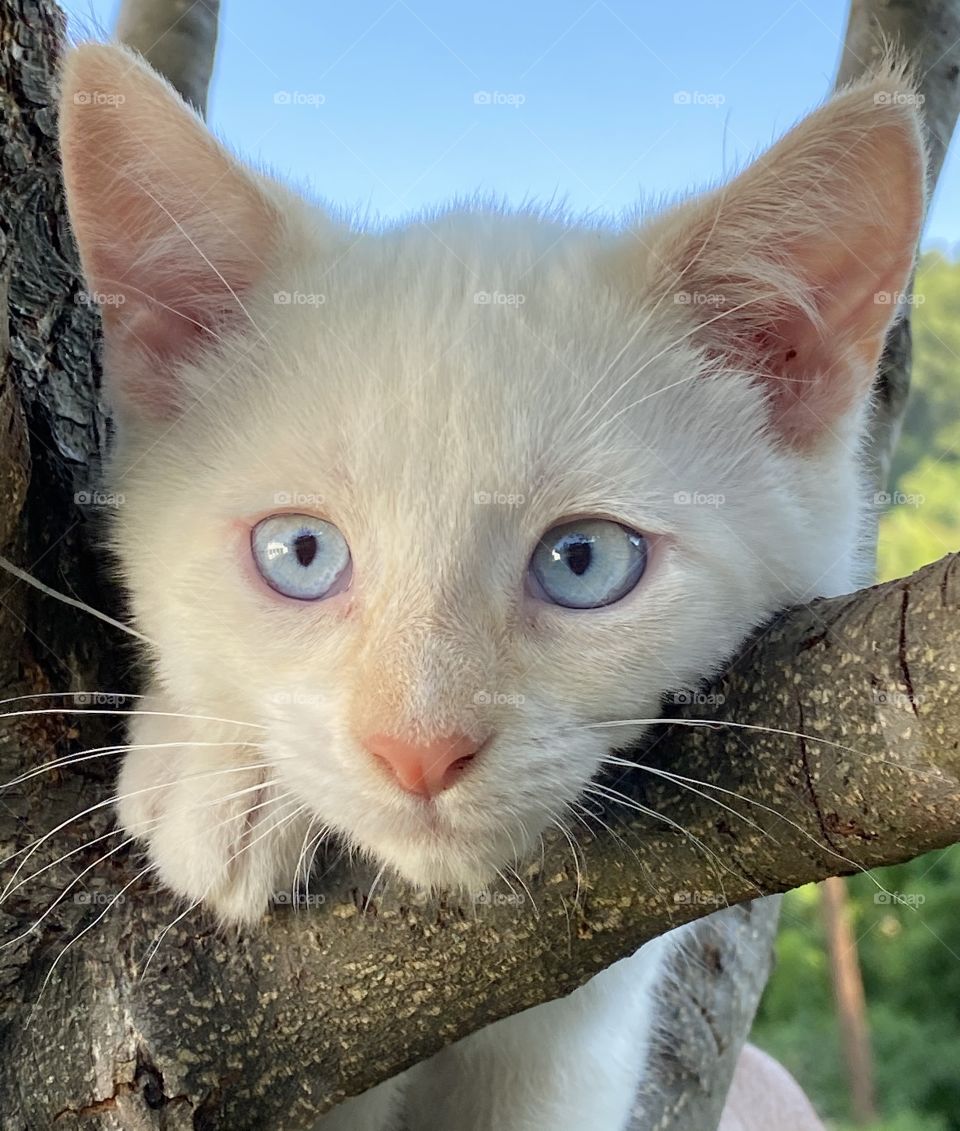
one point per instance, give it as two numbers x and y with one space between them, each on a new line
588 563
300 556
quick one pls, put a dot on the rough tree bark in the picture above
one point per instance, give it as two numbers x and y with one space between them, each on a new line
349 993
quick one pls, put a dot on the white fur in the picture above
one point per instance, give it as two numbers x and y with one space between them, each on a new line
391 406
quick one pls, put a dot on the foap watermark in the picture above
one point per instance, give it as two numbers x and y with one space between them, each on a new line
898 298
901 700
699 898
487 898
99 898
690 698
907 898
99 498
698 98
295 698
298 298
898 499
499 298
100 298
899 98
499 98
98 699
307 499
311 98
499 498
298 899
699 298
499 699
99 98
698 499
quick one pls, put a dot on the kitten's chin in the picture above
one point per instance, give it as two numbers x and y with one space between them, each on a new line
442 858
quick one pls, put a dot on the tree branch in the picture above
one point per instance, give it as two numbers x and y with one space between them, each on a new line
178 38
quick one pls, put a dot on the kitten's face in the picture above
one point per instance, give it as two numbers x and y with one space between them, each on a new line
444 396
442 439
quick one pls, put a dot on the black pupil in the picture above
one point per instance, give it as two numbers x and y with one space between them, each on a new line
305 547
578 555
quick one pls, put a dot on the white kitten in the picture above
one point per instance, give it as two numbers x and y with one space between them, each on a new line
418 503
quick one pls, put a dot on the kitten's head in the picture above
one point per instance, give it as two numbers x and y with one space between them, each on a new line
427 501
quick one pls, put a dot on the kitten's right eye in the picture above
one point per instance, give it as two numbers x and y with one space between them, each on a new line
301 556
588 563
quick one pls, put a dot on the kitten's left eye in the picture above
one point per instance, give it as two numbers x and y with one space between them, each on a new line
300 556
587 564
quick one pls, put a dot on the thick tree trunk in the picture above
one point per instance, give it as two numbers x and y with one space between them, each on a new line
929 32
206 1036
849 998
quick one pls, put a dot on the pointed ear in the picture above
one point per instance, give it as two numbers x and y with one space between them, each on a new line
172 231
794 271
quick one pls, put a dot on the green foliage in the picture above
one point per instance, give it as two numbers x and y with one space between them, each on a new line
922 522
901 1122
908 938
908 942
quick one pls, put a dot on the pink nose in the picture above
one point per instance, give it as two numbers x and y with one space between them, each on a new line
424 768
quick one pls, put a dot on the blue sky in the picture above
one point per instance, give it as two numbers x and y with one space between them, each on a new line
394 104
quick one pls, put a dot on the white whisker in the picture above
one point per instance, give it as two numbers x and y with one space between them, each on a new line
576 858
718 724
576 805
71 694
681 779
63 894
665 292
210 803
376 880
529 893
620 799
186 235
131 713
683 782
109 801
113 902
22 575
103 751
695 329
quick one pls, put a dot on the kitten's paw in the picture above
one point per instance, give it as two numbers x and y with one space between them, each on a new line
200 795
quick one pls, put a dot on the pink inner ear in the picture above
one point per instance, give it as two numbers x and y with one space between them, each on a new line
173 306
817 364
162 322
172 231
808 380
141 347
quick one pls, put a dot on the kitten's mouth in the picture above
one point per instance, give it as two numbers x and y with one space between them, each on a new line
432 822
436 850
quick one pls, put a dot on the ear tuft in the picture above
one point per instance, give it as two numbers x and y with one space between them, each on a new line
172 231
